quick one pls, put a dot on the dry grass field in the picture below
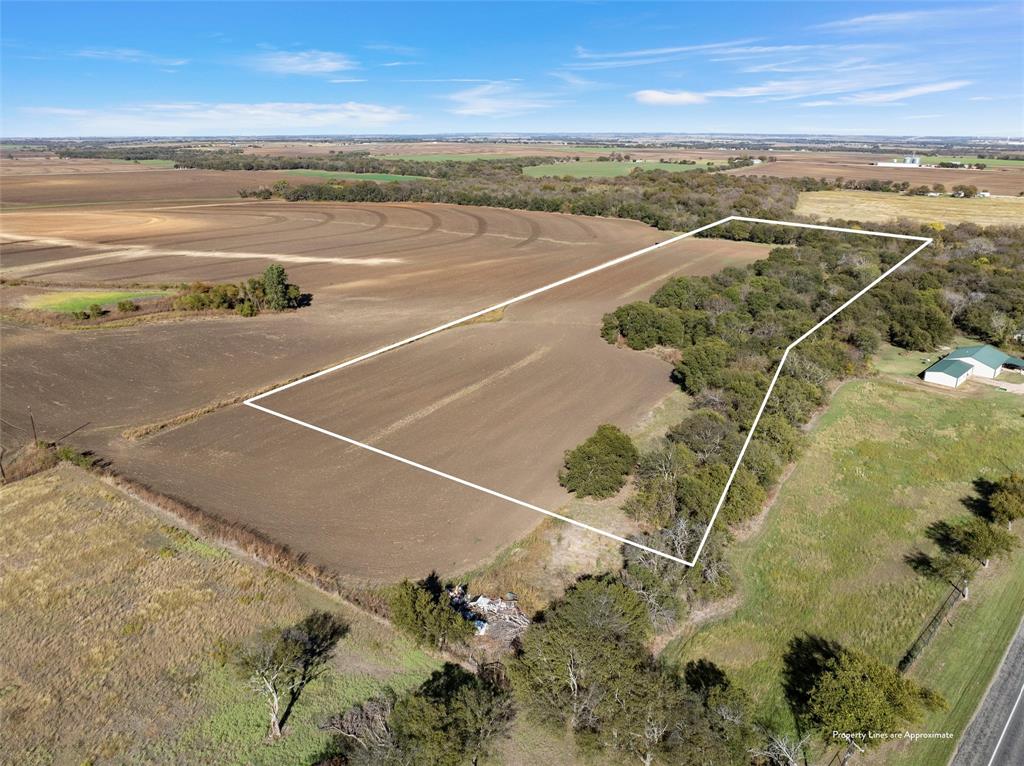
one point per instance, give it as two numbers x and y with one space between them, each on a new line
882 207
487 400
114 625
1007 181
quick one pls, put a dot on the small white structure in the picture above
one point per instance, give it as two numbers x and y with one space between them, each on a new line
969 361
984 194
948 372
910 161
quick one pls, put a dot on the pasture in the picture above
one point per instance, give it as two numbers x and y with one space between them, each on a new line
881 464
116 628
886 206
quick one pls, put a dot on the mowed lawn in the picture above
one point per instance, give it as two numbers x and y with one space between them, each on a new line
888 206
114 631
886 460
343 175
599 169
68 301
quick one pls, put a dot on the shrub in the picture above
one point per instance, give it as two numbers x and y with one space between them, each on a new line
643 326
247 309
700 364
126 307
96 310
599 466
427 615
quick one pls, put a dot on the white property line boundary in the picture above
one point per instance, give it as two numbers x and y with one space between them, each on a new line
925 241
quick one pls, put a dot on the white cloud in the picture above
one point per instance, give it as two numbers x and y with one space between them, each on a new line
340 80
896 20
669 97
130 56
448 79
498 99
890 97
209 119
587 59
398 50
311 62
575 81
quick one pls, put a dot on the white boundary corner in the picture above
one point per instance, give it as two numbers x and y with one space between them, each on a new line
252 402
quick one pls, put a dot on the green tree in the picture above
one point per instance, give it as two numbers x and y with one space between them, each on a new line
427 615
453 718
589 648
1007 502
275 287
700 364
643 326
857 694
980 540
599 466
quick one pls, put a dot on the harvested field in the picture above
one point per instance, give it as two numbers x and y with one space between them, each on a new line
883 207
495 403
116 627
130 185
1003 180
51 165
377 273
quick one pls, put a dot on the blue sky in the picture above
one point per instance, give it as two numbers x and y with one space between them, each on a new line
903 68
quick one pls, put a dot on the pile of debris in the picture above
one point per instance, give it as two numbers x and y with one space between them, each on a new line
500 619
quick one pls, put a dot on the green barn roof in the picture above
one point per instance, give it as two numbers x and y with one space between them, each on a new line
950 367
988 355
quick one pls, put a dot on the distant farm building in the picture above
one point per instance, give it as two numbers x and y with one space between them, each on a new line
910 161
970 361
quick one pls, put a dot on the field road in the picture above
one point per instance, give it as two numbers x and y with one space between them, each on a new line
996 735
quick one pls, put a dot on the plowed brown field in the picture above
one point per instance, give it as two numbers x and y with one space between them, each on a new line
496 402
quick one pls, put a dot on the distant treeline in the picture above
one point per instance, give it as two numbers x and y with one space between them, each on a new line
348 162
662 199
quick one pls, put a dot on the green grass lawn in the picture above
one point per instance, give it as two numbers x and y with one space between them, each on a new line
68 301
885 461
343 175
967 159
598 169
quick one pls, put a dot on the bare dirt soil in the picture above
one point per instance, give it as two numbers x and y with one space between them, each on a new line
377 273
496 404
133 185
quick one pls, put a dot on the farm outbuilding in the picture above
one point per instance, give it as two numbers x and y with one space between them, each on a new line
948 372
969 361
